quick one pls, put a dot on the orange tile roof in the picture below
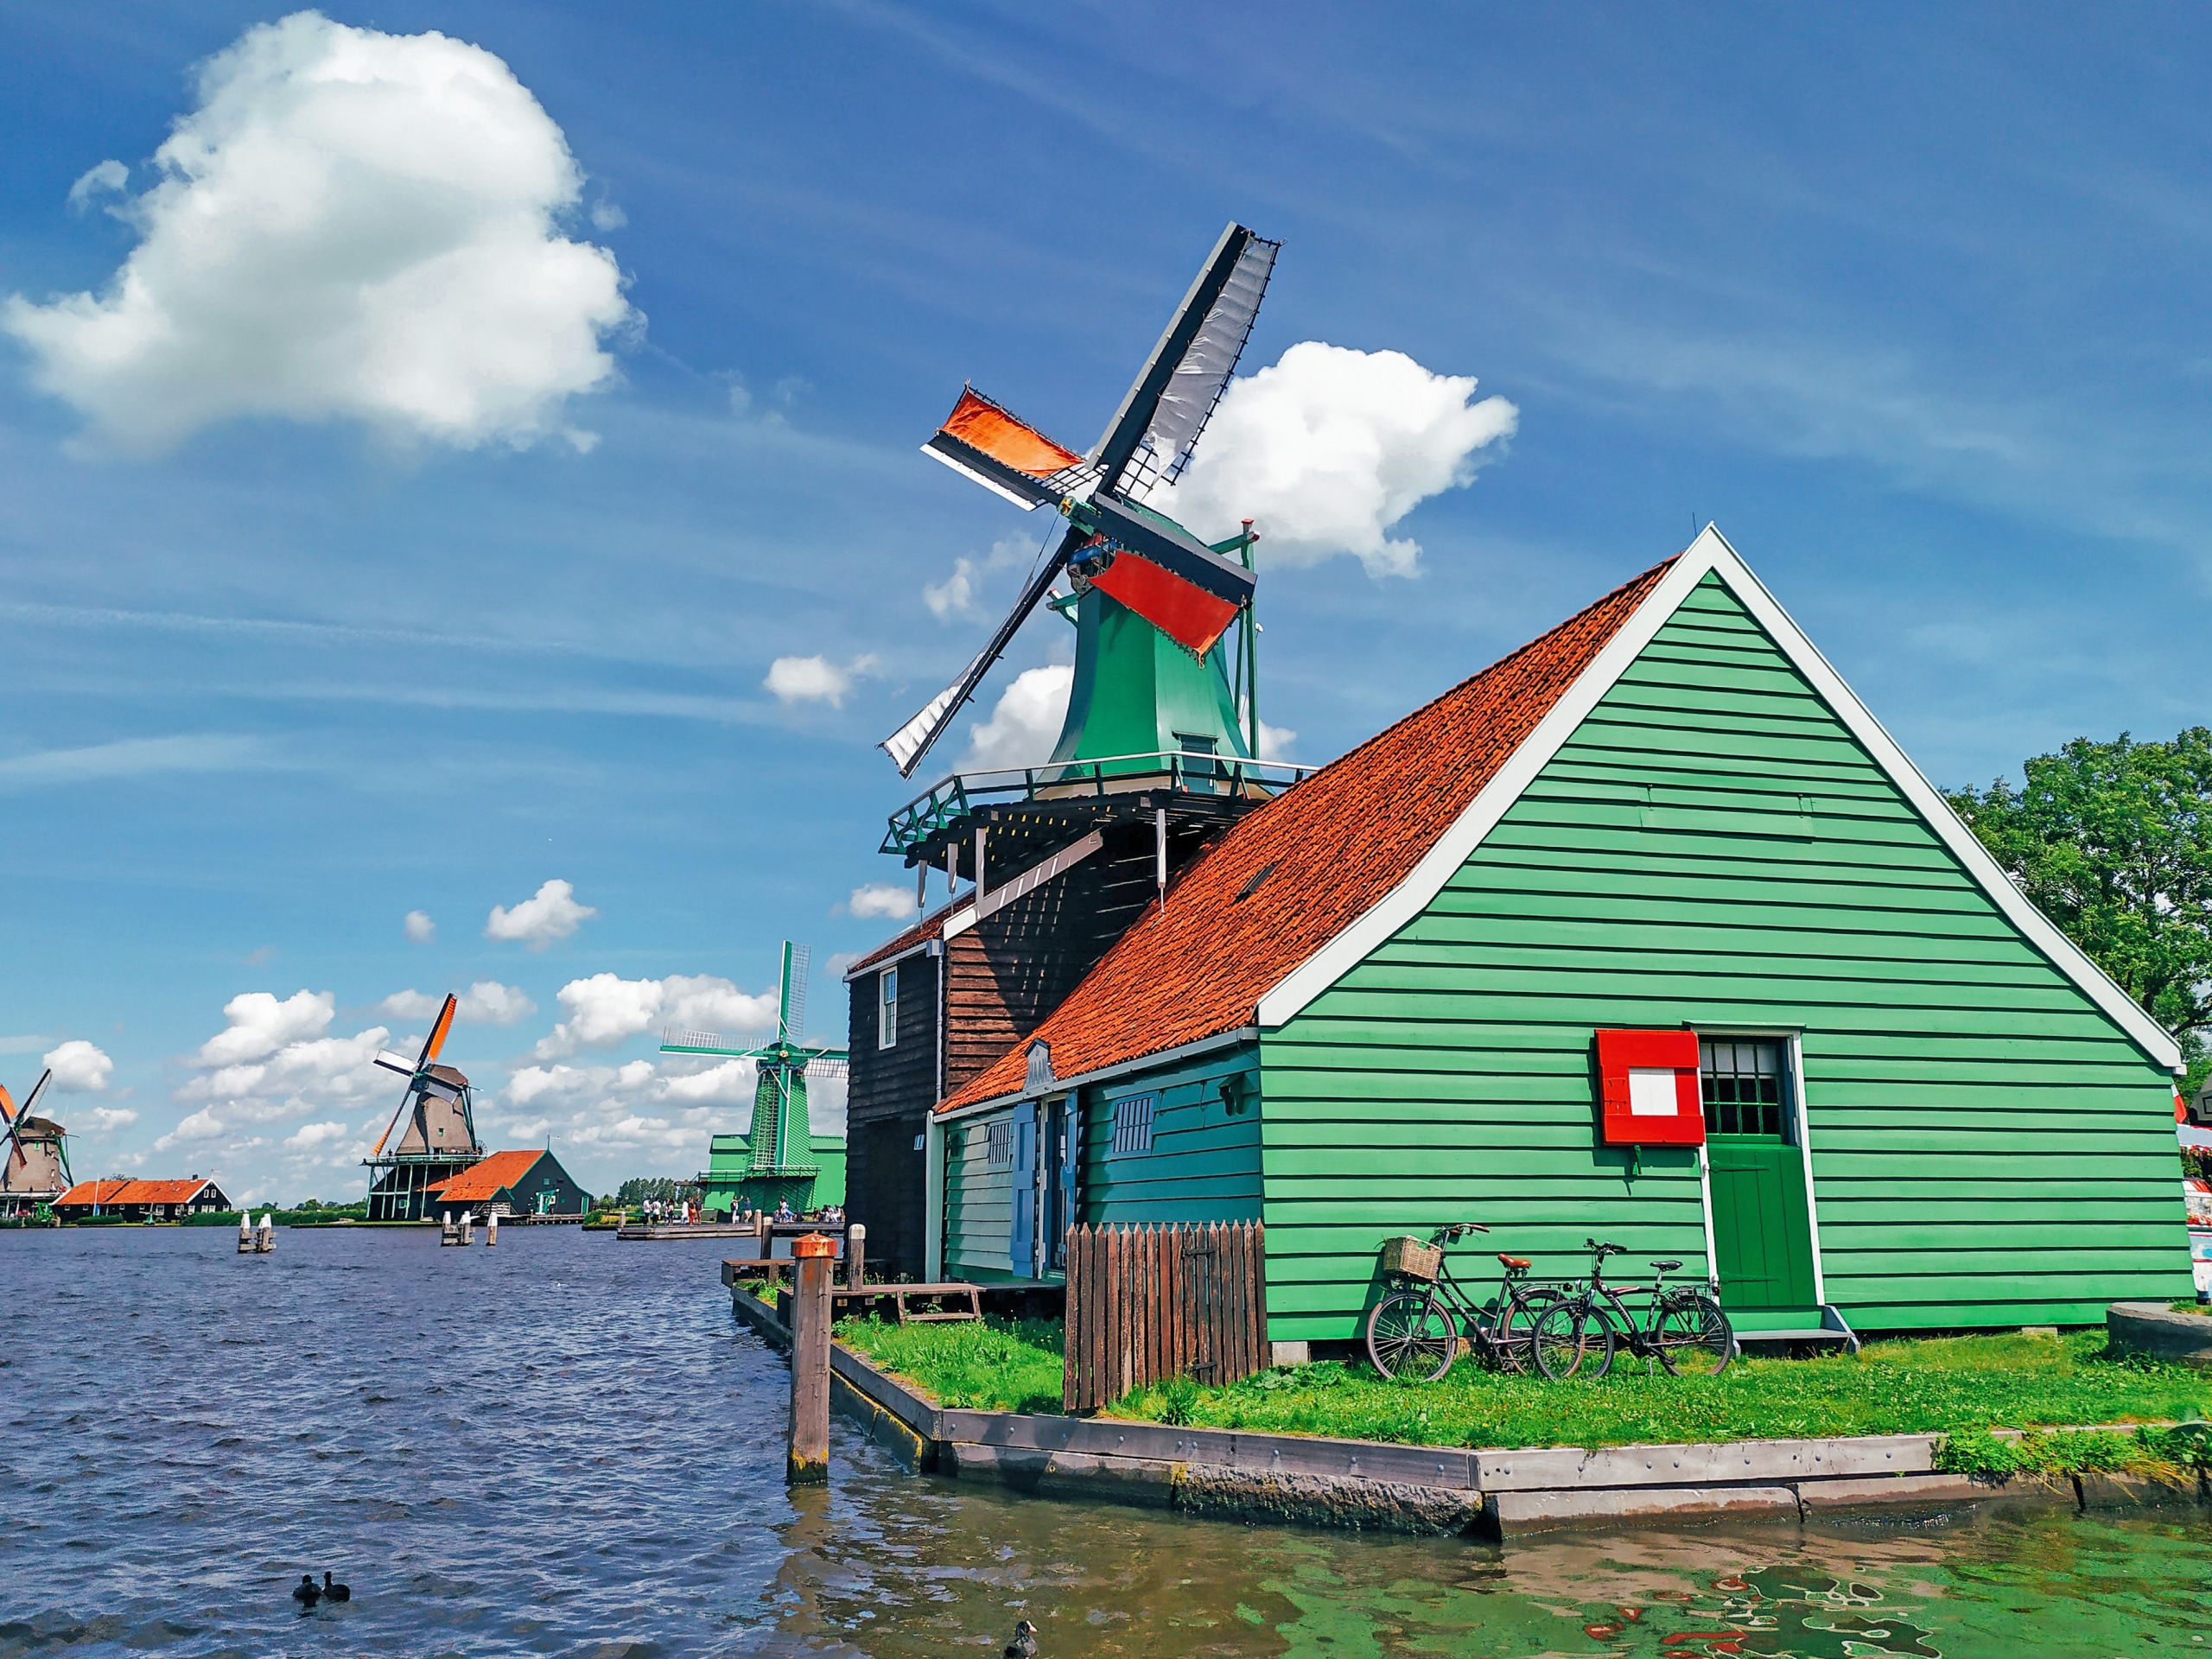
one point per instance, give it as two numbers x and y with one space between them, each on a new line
921 932
1337 842
123 1191
93 1192
488 1178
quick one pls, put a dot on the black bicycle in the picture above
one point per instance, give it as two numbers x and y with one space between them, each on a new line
1415 1332
1683 1329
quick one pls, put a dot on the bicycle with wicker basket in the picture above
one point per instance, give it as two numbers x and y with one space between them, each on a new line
1416 1331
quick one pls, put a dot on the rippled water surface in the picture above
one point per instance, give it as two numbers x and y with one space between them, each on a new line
566 1446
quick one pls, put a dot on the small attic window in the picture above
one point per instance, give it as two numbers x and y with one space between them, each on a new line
1256 881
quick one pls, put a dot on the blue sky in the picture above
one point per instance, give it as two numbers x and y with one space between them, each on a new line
1911 305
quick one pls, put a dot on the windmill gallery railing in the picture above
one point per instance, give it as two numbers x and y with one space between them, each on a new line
1145 1304
958 796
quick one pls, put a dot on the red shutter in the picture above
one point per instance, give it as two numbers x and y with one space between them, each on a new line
1639 1107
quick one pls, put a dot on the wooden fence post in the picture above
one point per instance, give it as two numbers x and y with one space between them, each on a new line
855 1254
809 1459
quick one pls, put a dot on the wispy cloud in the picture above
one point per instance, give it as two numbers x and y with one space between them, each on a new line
138 757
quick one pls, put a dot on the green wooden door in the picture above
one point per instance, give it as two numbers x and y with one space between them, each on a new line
1762 1236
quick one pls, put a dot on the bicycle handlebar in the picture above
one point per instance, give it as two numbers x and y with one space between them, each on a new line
1452 1230
1601 1250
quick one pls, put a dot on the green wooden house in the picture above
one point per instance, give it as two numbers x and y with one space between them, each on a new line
1648 931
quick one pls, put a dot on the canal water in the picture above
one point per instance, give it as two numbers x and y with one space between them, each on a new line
566 1446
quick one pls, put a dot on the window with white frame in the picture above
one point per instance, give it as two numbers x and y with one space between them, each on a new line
887 1007
999 1148
1133 1123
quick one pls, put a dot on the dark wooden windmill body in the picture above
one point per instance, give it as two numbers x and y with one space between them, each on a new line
1047 866
439 1140
34 1156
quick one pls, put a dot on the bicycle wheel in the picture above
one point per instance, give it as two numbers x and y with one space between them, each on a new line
1569 1337
1509 1343
1409 1333
1693 1336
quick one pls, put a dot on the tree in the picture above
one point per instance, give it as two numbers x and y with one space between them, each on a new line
2114 843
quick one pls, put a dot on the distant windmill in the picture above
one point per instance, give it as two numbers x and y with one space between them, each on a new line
782 1156
440 1139
1138 689
34 1153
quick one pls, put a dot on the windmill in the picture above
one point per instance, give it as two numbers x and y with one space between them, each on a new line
440 1139
1151 602
34 1153
780 1156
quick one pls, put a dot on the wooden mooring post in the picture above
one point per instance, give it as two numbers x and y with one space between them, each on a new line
813 1260
855 1254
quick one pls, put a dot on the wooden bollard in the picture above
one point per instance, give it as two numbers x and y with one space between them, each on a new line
855 1254
813 1262
245 1234
491 1230
265 1240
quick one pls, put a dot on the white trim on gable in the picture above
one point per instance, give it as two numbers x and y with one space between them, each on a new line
1709 555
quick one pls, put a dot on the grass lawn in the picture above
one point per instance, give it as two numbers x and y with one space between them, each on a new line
1945 1384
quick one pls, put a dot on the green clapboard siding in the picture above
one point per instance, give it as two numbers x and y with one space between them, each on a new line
978 1202
1204 1162
1713 847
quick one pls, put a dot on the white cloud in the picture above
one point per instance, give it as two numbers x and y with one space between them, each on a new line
550 914
420 927
318 1073
1025 722
258 1025
1330 448
349 225
100 178
607 1009
202 1125
607 216
102 1119
732 1082
79 1067
956 594
309 1137
487 1002
1275 742
882 898
815 679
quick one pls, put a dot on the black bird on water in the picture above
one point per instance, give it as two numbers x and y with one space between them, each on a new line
307 1592
1024 1645
335 1592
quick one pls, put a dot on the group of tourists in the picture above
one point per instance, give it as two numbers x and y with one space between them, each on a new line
663 1211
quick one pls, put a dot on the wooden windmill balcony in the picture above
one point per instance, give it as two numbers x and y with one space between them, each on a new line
1030 811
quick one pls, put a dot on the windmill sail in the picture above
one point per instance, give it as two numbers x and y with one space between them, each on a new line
912 741
1164 573
1005 454
1151 435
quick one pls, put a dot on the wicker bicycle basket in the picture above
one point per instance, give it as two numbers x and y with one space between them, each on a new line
1408 1255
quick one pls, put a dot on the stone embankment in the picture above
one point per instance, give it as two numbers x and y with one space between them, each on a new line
1498 1494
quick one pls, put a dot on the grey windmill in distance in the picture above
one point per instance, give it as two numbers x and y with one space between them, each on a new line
33 1153
440 1139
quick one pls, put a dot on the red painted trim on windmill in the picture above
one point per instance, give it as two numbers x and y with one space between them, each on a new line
1630 1113
1182 610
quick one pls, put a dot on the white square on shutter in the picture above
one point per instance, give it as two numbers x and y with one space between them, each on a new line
1652 1091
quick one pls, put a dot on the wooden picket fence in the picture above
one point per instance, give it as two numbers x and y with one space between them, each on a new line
1147 1303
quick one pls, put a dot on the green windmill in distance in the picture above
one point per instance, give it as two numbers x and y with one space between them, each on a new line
780 1158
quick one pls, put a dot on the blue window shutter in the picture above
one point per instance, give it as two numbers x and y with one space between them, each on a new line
1022 1245
1071 1162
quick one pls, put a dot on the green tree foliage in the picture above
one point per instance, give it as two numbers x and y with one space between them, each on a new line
639 1188
2114 843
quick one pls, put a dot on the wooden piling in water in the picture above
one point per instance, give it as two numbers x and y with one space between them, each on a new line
855 1254
814 1265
